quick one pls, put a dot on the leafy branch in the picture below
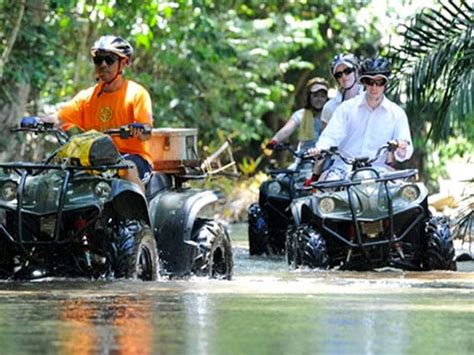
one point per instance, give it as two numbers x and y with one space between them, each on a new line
436 60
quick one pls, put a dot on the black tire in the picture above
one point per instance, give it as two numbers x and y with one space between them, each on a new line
439 253
136 255
291 241
7 264
214 258
306 247
257 230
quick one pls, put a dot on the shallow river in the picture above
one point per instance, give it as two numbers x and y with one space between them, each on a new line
265 309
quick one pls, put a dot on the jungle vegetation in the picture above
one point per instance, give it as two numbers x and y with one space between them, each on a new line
236 69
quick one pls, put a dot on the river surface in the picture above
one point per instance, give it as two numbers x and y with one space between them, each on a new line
265 309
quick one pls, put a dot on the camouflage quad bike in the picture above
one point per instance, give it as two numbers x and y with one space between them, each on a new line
66 220
270 217
369 220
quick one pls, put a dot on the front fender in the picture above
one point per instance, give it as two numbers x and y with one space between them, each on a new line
173 214
129 201
300 207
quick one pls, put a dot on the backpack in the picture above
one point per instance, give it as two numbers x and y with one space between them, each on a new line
91 148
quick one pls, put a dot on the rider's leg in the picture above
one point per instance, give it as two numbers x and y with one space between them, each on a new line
138 172
132 176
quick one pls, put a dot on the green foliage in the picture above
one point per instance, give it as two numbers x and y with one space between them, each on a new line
31 58
435 160
248 166
436 60
214 65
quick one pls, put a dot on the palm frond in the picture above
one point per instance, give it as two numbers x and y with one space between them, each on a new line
436 61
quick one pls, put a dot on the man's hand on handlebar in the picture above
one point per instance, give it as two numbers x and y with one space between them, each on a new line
268 148
313 152
140 130
398 146
272 144
35 122
30 122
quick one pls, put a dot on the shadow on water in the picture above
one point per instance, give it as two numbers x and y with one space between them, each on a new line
265 309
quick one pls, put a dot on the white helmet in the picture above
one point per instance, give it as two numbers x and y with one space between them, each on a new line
113 44
347 59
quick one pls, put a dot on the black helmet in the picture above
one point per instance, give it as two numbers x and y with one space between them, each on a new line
348 59
375 66
113 44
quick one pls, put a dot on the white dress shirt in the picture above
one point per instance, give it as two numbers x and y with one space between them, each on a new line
359 131
333 104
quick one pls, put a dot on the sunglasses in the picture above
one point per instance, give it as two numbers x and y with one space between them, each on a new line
109 59
346 71
319 93
371 82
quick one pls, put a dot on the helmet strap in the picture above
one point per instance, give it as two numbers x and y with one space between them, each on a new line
119 72
348 89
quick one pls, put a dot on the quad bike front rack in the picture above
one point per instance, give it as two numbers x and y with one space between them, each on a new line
349 185
24 170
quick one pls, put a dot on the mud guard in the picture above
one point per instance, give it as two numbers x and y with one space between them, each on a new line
173 214
300 208
129 201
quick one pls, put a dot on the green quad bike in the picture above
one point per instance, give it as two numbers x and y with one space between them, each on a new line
61 219
369 220
270 217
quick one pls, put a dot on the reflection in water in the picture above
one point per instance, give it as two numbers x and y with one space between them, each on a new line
134 327
77 333
212 317
119 324
265 309
198 318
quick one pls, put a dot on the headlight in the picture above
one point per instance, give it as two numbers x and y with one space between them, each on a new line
326 204
102 190
274 187
9 190
410 193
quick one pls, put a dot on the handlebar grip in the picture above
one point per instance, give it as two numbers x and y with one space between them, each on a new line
146 129
124 131
30 122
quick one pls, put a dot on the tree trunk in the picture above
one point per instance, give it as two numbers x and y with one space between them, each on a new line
15 95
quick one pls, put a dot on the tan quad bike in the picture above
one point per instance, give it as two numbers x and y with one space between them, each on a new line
60 218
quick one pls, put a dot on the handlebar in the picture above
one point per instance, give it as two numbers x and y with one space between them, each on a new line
35 125
297 154
125 132
391 176
390 146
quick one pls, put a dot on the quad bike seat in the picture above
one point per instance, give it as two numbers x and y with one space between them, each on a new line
157 182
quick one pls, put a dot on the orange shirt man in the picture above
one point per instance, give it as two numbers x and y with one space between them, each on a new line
130 103
114 102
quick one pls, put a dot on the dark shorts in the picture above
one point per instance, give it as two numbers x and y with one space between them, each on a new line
143 166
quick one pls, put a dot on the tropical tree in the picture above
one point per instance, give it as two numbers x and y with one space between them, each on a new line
230 68
436 63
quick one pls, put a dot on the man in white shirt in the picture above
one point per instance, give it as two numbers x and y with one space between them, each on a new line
360 126
344 68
